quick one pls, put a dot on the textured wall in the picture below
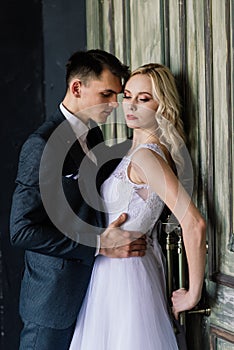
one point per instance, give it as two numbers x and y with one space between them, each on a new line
37 37
195 39
21 112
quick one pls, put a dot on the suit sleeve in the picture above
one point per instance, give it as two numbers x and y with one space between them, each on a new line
30 225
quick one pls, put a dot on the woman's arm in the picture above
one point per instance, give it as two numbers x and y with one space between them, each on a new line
150 168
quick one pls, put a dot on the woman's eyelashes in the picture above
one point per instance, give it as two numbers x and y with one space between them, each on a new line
144 99
126 97
139 98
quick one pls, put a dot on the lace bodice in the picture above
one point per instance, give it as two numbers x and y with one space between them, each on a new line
120 194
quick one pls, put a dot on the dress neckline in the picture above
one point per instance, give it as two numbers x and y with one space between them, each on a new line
144 145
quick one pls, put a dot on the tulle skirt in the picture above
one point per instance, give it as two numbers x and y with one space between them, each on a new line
125 307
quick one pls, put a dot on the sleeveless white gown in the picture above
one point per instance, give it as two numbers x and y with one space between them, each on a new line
125 307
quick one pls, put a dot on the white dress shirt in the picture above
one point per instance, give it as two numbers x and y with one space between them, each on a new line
81 131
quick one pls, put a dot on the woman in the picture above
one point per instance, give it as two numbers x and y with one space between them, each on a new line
125 306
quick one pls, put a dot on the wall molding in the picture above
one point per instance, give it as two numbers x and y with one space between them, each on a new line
219 333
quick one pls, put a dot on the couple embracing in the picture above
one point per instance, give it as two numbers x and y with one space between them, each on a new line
85 213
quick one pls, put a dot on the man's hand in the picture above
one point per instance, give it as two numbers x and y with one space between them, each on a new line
117 243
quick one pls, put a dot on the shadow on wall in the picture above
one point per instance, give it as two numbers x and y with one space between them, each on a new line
34 50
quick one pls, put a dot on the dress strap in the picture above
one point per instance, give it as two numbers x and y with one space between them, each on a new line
152 146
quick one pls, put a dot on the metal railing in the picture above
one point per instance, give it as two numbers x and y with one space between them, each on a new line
176 266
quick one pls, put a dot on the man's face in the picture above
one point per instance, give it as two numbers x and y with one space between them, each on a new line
99 97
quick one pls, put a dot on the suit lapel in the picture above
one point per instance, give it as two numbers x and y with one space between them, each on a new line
68 139
76 154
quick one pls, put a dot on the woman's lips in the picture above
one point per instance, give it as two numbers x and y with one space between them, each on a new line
131 117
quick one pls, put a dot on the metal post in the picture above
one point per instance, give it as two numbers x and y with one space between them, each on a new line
169 248
181 267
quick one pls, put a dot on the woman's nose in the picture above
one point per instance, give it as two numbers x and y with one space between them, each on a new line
132 107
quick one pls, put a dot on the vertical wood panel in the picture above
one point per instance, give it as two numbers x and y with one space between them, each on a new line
222 311
231 243
166 31
189 70
210 135
127 32
200 102
107 14
174 37
108 27
221 133
94 31
119 28
146 39
230 79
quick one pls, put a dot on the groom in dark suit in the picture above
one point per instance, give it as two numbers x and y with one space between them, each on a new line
56 213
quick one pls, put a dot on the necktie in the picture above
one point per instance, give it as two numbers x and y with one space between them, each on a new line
84 144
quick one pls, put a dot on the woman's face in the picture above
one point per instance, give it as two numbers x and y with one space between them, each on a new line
138 104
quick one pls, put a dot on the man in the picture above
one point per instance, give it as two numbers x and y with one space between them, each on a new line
56 216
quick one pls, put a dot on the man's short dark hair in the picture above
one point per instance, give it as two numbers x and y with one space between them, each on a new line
91 63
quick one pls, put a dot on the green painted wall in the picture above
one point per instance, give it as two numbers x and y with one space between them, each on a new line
195 39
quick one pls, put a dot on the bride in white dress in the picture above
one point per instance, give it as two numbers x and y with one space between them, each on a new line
125 307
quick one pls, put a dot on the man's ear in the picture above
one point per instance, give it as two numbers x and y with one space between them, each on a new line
76 87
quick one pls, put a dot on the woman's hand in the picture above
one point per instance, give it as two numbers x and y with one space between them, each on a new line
182 300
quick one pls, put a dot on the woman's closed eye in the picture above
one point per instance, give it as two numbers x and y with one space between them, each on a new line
144 99
139 99
126 97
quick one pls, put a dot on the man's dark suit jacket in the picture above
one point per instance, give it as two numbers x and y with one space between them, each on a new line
57 268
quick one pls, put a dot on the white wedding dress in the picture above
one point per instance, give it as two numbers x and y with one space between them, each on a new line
125 307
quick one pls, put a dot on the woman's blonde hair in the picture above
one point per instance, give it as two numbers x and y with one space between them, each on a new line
170 126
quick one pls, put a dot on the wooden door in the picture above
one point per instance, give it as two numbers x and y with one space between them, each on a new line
195 39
